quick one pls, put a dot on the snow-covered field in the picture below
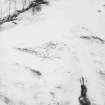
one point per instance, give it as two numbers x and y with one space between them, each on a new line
42 58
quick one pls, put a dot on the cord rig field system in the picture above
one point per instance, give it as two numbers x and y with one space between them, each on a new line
26 5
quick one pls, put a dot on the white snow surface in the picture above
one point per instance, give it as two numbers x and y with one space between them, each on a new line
62 22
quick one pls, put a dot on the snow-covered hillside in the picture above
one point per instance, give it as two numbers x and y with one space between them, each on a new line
43 57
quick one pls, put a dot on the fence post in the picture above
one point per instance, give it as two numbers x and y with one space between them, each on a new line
1 13
15 5
9 7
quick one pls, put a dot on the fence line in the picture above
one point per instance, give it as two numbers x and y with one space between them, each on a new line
12 17
13 6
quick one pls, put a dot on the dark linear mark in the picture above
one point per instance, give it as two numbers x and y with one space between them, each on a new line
50 50
35 52
85 37
59 87
98 38
25 50
94 38
36 72
13 17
